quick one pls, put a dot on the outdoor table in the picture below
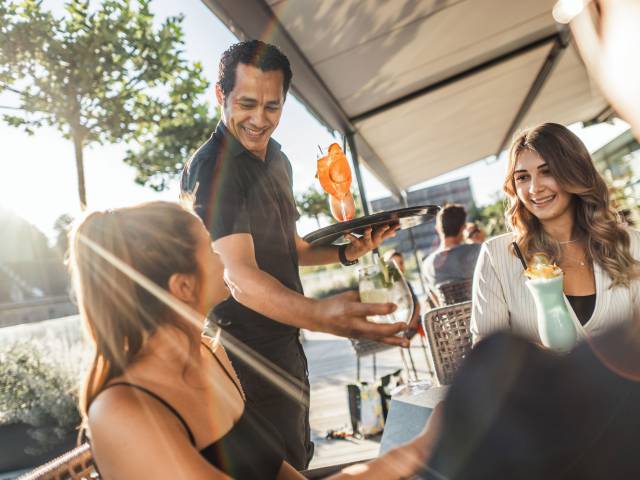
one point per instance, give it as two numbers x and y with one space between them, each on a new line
408 415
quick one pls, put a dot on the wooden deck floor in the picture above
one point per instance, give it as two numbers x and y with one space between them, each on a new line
332 365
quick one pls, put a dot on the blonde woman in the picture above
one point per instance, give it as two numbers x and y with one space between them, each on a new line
559 205
160 400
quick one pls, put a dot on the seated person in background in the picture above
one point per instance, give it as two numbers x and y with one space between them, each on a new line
474 233
454 260
161 400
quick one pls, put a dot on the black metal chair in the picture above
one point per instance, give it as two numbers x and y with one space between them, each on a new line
363 348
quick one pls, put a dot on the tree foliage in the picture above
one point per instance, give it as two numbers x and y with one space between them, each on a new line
314 204
106 75
491 217
39 388
61 226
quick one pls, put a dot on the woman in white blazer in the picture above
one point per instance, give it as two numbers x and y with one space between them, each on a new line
559 205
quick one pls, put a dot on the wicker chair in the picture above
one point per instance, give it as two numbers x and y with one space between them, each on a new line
454 292
76 464
449 338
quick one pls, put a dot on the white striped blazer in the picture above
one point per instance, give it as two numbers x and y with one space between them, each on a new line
501 300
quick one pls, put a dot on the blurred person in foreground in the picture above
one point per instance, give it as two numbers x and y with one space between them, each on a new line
607 35
515 410
558 205
454 260
160 399
242 184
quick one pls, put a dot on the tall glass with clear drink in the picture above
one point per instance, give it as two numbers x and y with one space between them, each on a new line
378 286
382 283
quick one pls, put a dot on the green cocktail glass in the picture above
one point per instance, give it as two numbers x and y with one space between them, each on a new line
555 325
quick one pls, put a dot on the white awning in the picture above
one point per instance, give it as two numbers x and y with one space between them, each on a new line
425 86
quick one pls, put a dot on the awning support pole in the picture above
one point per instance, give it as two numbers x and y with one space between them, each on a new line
356 166
414 247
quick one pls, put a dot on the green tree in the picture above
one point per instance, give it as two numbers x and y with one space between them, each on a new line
61 226
314 204
104 76
492 217
358 202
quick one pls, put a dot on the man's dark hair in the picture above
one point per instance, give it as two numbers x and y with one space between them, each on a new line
258 54
451 219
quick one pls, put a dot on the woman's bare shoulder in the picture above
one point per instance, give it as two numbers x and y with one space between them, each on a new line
128 428
118 403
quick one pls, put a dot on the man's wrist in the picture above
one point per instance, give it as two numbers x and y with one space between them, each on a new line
316 317
350 254
344 257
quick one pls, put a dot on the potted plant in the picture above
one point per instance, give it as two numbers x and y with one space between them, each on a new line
39 417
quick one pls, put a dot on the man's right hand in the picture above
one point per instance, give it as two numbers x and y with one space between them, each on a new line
344 315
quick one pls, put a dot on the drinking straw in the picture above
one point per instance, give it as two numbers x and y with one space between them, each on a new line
320 148
343 209
519 254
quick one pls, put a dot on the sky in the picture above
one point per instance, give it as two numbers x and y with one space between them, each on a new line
38 177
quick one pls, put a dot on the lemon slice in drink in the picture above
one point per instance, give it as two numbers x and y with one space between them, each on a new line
377 295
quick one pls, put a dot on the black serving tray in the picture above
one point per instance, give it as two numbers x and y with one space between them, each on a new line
407 217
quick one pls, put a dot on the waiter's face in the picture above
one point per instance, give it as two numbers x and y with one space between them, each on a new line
252 110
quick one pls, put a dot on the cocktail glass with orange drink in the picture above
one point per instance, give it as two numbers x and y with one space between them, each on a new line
334 175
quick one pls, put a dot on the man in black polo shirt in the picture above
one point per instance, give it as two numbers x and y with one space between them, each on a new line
242 183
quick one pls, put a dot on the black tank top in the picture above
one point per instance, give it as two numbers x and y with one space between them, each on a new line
248 450
583 306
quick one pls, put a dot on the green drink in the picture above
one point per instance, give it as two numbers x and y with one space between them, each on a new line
555 326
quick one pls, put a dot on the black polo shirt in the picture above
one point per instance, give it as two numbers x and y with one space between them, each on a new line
236 192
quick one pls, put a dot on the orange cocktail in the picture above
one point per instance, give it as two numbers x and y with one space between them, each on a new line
334 174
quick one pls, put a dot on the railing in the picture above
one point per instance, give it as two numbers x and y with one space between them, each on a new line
35 310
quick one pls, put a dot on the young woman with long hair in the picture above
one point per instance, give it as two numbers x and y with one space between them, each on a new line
558 205
160 399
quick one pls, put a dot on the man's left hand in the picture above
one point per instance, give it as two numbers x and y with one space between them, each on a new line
370 239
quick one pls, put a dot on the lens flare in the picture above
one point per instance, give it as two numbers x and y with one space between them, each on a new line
288 384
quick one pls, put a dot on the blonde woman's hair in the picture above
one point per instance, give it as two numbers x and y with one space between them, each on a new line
156 239
595 221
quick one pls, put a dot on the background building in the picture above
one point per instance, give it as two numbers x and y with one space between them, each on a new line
619 162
